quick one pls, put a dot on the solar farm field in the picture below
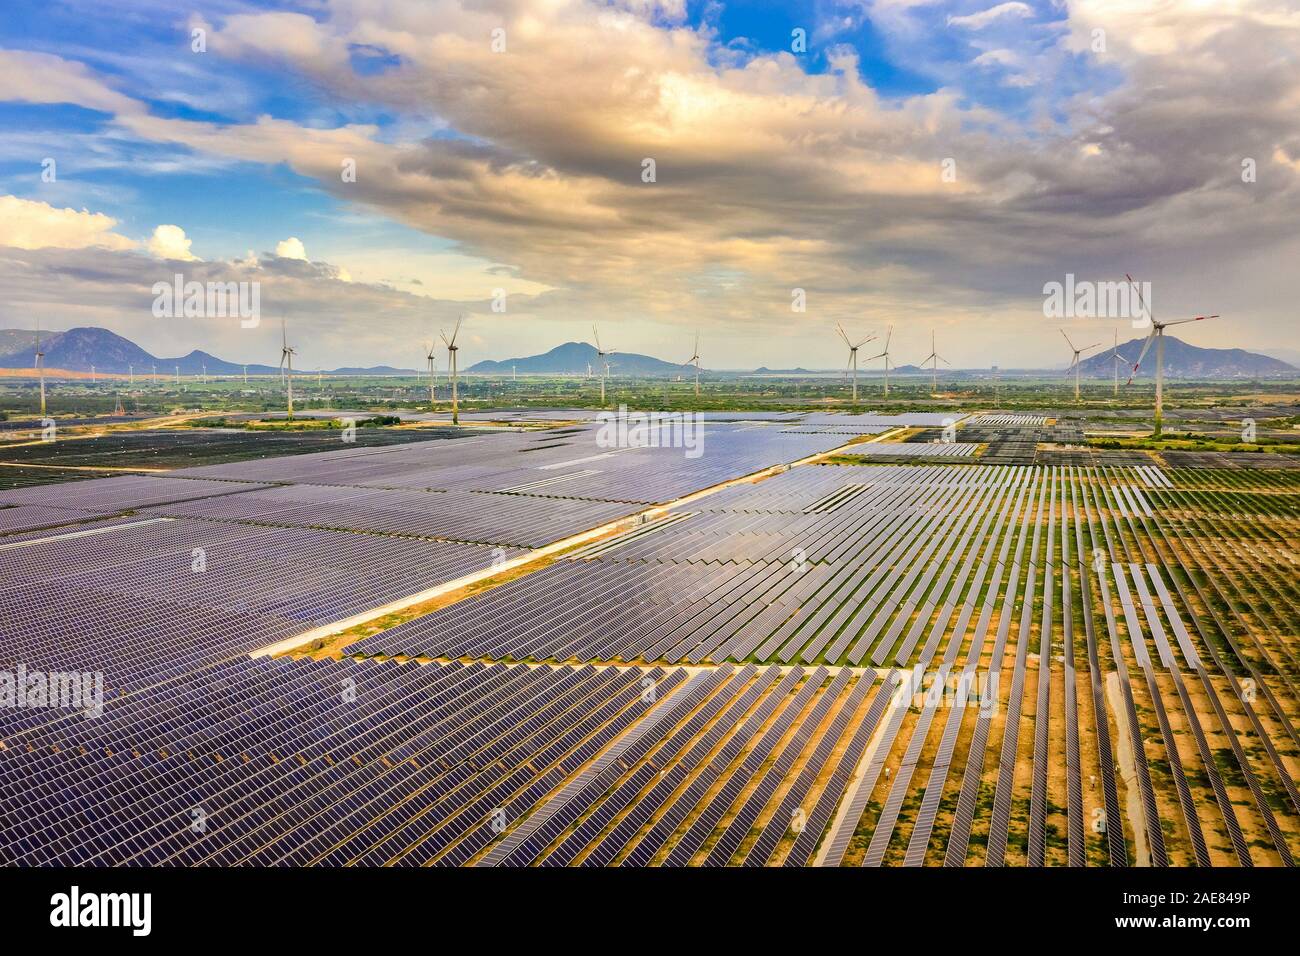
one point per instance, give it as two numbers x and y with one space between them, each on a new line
753 657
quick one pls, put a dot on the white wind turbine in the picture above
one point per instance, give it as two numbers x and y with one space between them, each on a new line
286 361
1158 336
451 365
40 365
1117 360
432 362
1074 365
937 358
885 355
603 353
693 360
853 356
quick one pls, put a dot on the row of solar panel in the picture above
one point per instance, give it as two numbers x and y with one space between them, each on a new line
269 762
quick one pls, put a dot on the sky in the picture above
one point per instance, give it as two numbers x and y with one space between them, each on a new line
907 164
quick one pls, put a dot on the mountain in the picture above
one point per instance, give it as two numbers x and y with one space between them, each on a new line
78 349
15 340
1290 356
1190 361
573 357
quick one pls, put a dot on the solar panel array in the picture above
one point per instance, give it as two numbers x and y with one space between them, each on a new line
272 762
1090 643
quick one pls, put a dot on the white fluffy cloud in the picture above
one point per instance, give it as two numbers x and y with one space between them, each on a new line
28 224
291 248
170 242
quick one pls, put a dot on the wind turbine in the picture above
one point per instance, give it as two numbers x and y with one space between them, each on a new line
40 365
245 374
853 356
286 358
1075 364
178 375
155 374
1158 336
1117 360
934 371
451 364
604 365
885 355
205 374
431 360
92 373
693 360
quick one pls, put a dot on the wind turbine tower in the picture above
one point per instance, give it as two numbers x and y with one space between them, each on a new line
1158 336
603 354
853 356
1117 360
40 366
935 358
1075 363
430 360
885 355
286 360
693 360
452 348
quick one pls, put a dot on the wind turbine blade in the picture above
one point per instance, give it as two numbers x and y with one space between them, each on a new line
865 341
1141 301
888 336
596 336
840 329
456 331
1067 340
1195 318
1146 347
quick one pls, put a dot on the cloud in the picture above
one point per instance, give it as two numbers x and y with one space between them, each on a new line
29 224
291 248
29 77
170 242
978 21
770 177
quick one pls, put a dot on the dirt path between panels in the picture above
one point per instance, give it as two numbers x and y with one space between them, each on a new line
1128 770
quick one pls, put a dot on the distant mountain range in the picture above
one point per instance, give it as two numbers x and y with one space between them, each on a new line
80 349
572 358
77 350
1188 361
